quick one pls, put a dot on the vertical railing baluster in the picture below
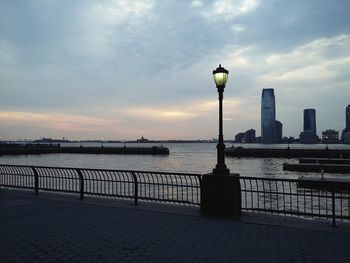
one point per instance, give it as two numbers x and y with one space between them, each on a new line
297 192
284 197
36 180
290 197
319 202
304 196
312 201
348 205
277 193
81 179
246 194
199 190
333 208
341 204
270 194
257 195
136 189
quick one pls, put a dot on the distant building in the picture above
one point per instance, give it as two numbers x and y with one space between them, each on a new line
346 132
347 118
249 136
239 137
330 136
142 139
346 137
307 137
246 137
271 132
309 134
310 120
278 130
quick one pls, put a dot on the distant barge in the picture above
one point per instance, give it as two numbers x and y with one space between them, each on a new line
46 149
286 153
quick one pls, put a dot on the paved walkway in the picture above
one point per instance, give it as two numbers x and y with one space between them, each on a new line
59 228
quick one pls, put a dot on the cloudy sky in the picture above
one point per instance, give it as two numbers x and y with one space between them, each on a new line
121 69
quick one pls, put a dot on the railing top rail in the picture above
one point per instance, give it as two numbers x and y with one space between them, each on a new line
101 170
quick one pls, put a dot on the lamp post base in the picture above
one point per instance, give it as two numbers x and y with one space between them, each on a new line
221 194
221 171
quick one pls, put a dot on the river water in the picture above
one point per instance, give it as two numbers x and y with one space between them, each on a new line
184 157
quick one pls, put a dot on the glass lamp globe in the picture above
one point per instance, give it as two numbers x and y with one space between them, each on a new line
220 75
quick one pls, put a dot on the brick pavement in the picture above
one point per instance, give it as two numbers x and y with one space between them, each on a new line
50 228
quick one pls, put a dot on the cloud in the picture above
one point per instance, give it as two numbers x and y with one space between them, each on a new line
112 13
196 3
229 9
320 60
56 121
193 109
153 113
149 63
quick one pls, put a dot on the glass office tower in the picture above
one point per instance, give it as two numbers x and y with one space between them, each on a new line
346 132
309 134
310 120
268 116
347 117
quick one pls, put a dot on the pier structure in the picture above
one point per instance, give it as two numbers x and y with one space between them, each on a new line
286 153
16 149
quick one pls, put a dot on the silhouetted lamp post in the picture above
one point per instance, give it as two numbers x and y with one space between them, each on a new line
220 75
220 190
288 141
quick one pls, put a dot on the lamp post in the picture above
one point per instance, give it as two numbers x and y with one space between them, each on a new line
220 75
288 141
221 190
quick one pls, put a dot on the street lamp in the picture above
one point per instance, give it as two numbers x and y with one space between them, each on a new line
220 75
221 190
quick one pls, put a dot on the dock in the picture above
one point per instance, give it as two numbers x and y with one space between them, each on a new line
286 153
311 167
319 164
324 161
51 149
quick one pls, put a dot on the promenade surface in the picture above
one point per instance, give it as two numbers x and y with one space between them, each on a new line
61 228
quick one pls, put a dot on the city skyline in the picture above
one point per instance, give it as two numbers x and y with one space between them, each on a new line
126 69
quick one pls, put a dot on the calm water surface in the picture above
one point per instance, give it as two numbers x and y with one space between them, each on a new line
184 157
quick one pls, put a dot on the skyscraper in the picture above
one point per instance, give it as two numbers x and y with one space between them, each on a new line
309 134
347 117
346 132
310 120
268 116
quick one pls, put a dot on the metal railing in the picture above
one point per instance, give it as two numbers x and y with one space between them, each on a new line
287 197
181 188
266 195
